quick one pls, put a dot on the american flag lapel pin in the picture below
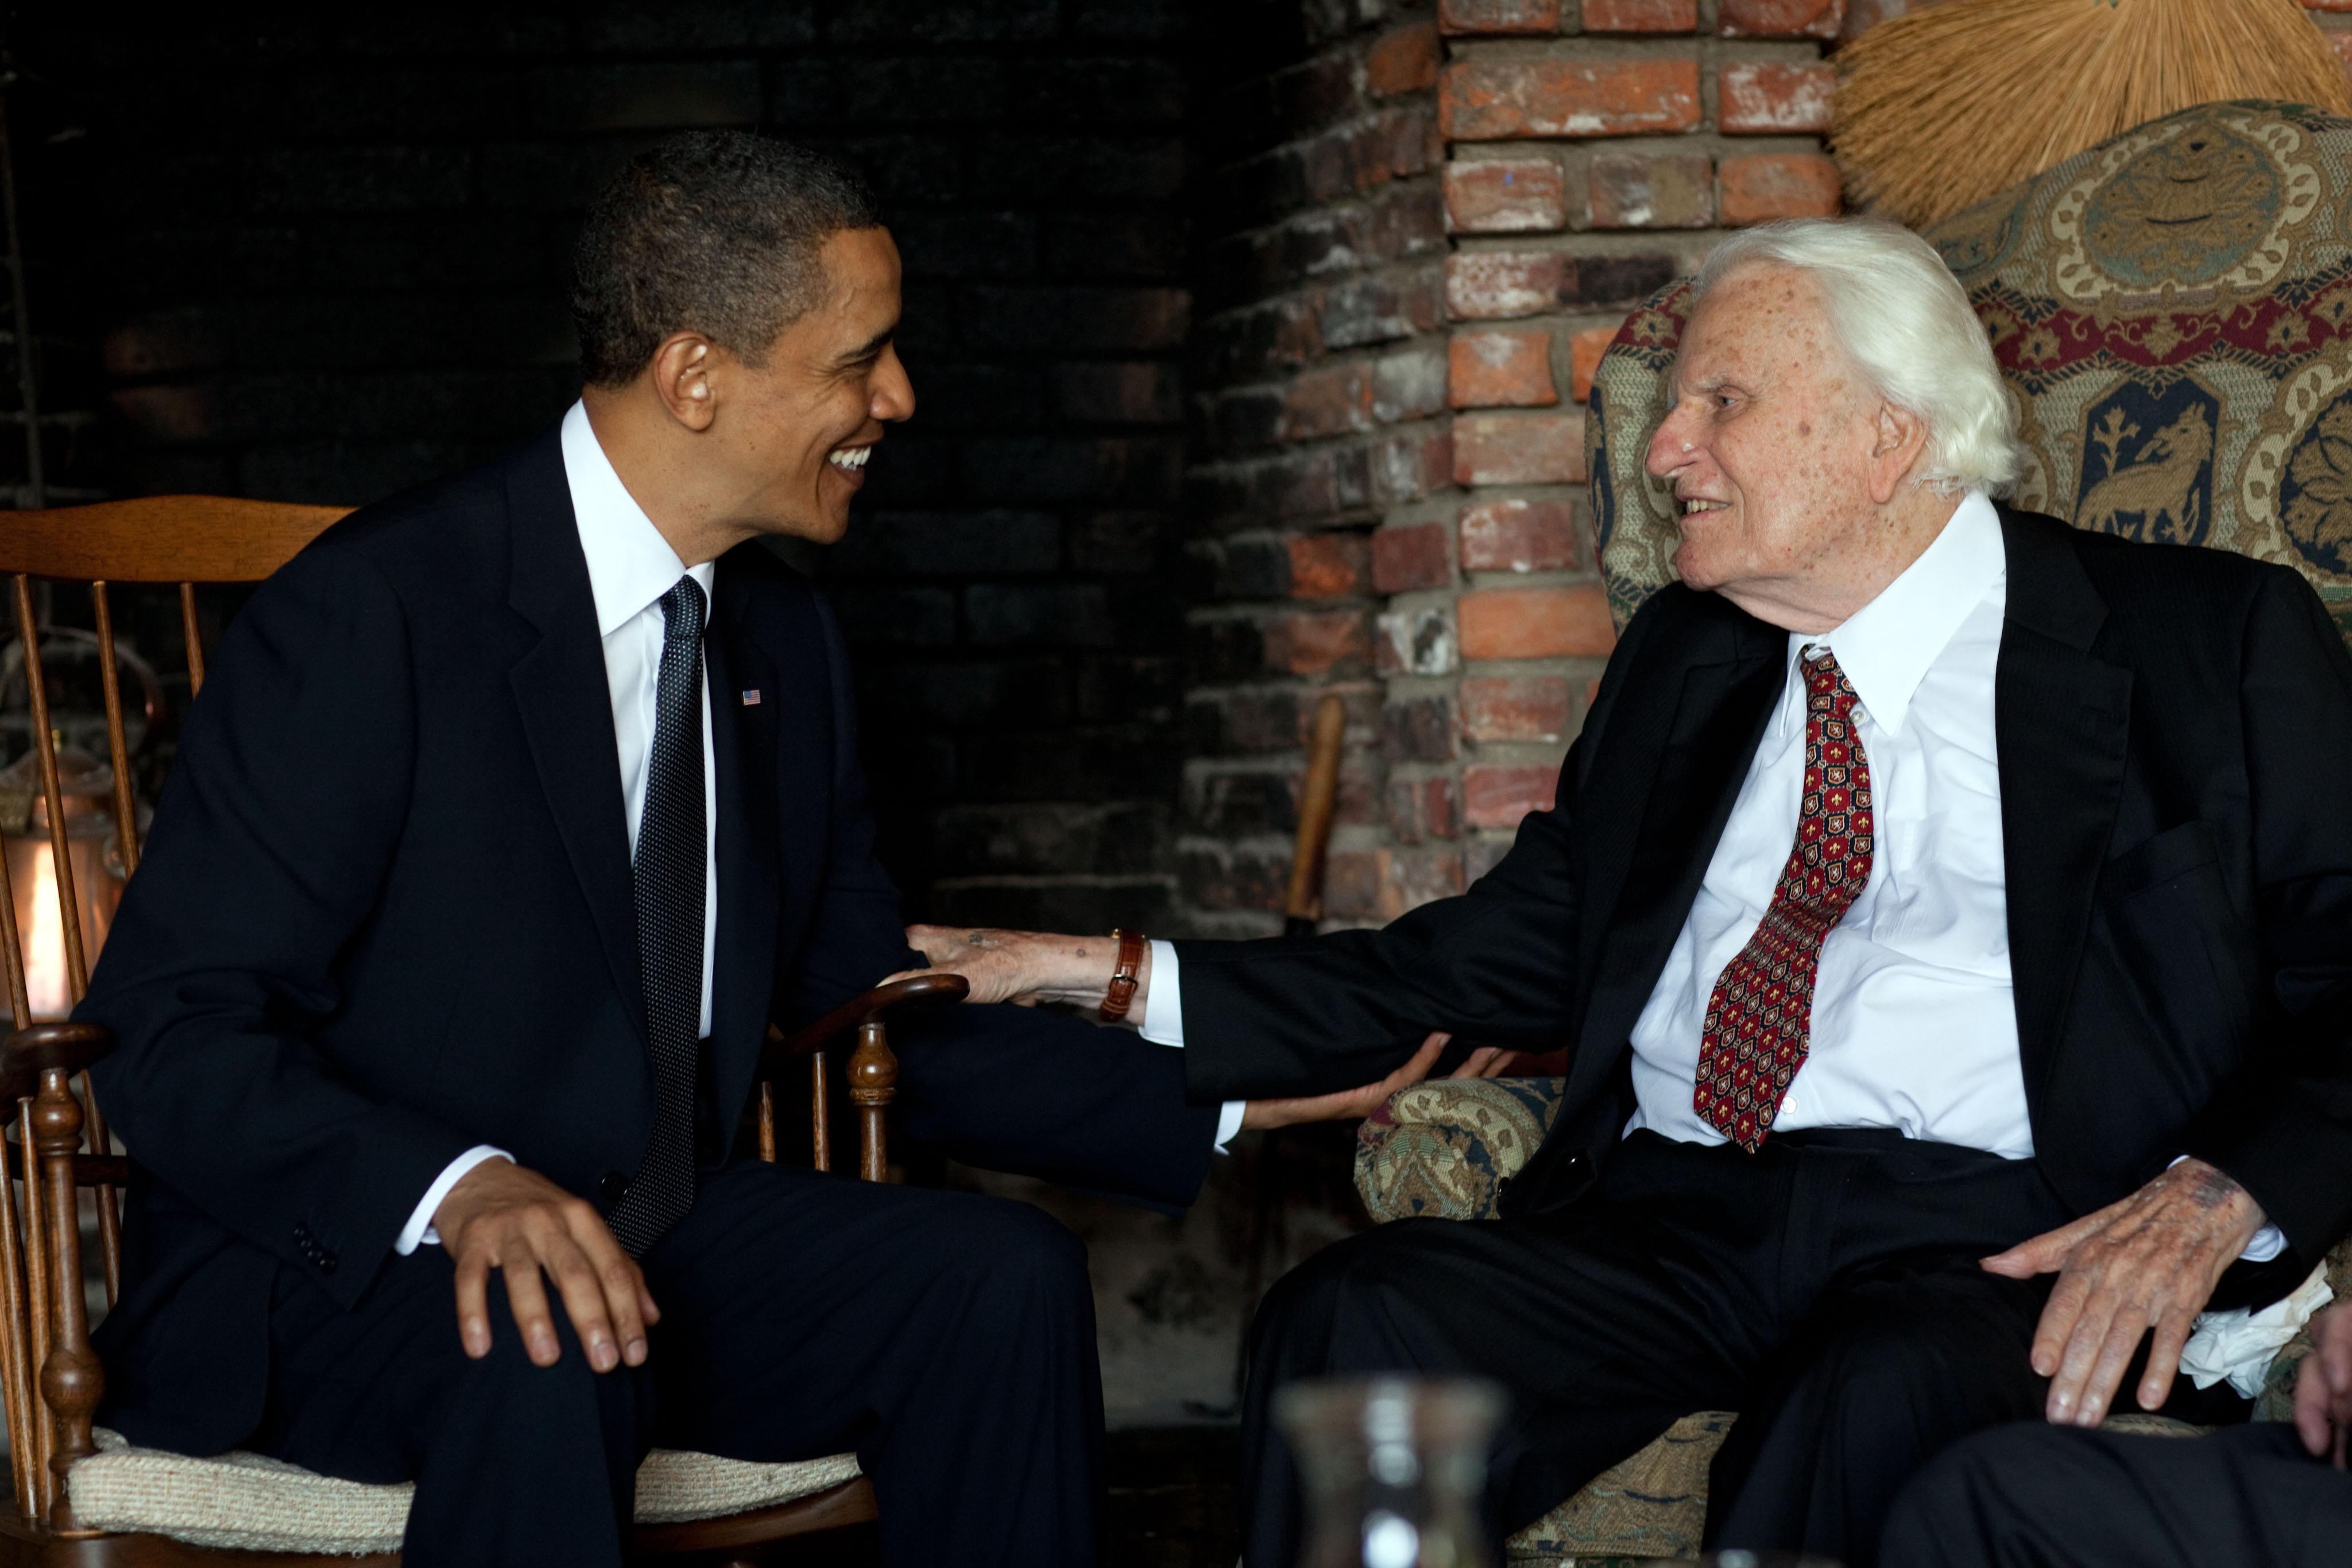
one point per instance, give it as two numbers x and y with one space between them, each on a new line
752 697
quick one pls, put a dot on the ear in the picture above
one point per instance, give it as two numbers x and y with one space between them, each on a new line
681 372
1897 438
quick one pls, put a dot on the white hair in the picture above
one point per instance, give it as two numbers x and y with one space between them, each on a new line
1907 325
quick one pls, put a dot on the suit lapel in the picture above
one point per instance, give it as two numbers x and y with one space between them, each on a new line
560 689
744 749
1727 694
2062 719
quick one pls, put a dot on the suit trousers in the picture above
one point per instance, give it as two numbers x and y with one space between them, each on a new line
947 1338
1826 1288
2058 1497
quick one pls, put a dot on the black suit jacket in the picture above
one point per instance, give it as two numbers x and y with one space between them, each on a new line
385 915
2175 737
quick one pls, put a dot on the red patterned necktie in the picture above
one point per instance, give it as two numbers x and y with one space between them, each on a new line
1760 1021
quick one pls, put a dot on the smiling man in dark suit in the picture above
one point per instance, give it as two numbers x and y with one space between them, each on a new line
514 811
1936 899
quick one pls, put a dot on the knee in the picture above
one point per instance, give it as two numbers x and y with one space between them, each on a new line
1348 1279
1971 1498
1007 1246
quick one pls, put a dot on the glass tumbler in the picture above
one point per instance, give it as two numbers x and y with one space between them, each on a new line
1393 1469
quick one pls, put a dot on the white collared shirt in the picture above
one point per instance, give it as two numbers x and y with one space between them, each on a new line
1914 1023
630 566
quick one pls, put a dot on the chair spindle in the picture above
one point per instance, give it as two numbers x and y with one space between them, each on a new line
195 641
71 1378
45 745
820 1114
766 1121
872 1084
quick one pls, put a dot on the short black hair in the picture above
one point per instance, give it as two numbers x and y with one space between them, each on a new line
715 232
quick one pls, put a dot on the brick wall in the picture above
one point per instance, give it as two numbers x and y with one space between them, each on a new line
1321 437
327 258
1447 210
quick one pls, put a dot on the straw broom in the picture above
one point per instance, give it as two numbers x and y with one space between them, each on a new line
1938 109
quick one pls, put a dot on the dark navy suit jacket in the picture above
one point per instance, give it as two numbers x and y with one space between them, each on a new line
385 915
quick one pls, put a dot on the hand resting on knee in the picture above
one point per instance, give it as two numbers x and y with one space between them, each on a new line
500 1215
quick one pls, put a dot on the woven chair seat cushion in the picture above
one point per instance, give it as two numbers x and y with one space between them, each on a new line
247 1502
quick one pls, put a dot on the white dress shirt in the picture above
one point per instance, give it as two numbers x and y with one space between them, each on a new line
630 566
1914 1023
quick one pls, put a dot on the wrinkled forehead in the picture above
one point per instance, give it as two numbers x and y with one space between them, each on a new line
1765 319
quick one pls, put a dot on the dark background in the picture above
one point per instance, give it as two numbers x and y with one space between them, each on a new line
318 257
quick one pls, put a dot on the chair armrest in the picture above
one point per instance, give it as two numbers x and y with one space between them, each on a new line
37 1047
873 1005
1445 1148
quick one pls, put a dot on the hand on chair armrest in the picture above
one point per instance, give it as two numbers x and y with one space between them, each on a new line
874 1004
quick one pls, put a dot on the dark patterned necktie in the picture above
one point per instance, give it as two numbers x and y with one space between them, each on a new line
672 851
1760 1021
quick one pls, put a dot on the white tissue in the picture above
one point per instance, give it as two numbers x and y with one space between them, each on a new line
2240 1343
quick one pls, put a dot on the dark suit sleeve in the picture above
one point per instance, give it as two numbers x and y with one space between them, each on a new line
1494 964
2284 1130
273 839
1008 1089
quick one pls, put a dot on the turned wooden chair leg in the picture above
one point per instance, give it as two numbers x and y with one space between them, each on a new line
71 1379
872 1084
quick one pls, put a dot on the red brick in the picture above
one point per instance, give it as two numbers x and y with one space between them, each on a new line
1420 809
1498 15
2327 4
1329 566
1584 351
1504 195
1411 464
1488 285
1319 642
1515 707
1518 536
1764 186
1652 190
1498 797
1774 97
1780 18
1483 101
1404 61
1411 878
1519 449
1331 401
1409 557
1641 15
1501 370
1535 622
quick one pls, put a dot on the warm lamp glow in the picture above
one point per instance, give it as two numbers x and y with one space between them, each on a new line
47 989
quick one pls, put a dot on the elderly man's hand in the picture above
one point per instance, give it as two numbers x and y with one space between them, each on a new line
2322 1388
1025 966
2150 1261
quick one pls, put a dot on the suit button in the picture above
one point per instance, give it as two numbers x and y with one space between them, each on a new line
615 1186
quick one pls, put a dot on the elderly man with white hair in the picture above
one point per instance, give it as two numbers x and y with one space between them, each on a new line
1947 916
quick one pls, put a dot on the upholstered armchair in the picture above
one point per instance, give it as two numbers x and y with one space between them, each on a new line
2173 310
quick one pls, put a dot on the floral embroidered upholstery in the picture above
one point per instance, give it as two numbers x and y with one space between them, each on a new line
2174 312
1443 1149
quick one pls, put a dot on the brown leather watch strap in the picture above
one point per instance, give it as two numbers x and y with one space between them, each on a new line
1125 978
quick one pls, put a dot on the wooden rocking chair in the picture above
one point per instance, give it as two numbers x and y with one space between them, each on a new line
76 1502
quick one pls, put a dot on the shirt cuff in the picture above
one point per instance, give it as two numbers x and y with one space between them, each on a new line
1164 1008
1229 1121
420 1224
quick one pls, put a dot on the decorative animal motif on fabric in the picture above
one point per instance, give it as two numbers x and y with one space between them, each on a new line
2157 485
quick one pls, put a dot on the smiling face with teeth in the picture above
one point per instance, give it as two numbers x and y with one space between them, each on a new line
1786 467
721 446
